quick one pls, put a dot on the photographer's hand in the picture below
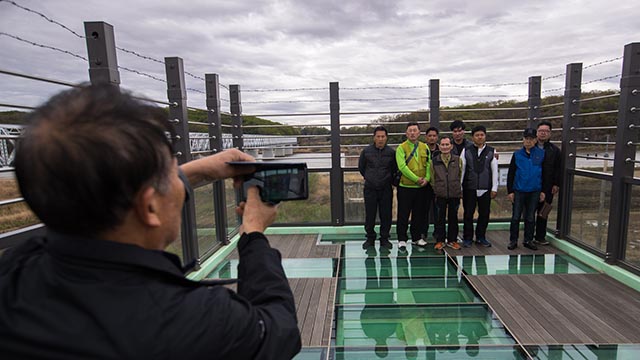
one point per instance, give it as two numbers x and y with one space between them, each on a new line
256 215
214 167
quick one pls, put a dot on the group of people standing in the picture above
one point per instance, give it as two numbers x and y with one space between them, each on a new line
434 177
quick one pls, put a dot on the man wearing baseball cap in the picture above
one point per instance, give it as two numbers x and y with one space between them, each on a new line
524 185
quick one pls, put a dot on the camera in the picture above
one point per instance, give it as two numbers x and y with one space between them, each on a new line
276 181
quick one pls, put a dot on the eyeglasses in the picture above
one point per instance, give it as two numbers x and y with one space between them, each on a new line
544 131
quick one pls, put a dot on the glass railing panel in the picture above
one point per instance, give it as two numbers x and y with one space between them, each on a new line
522 264
317 209
402 326
205 219
632 253
13 216
590 212
230 198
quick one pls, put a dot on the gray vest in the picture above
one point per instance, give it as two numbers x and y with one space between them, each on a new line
477 174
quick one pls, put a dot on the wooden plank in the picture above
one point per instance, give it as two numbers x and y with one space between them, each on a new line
500 240
563 308
321 311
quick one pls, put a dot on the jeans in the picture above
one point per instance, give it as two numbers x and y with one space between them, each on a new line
377 201
523 203
447 209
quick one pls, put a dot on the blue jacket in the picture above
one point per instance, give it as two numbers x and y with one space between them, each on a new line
525 171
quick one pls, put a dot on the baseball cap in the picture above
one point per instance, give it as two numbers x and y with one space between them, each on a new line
529 133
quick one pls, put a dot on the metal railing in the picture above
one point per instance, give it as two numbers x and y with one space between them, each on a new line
335 162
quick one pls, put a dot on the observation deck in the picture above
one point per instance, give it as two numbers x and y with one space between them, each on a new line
576 298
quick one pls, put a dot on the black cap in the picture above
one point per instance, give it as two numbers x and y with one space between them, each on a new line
529 133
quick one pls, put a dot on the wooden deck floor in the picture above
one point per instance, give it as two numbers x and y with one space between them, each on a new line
499 240
314 297
563 308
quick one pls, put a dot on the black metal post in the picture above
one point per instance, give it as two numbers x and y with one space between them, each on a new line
336 180
535 86
178 116
571 108
212 86
101 48
236 116
434 103
627 135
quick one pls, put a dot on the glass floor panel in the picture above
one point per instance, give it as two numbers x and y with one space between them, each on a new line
586 352
354 249
432 353
401 326
400 266
293 268
522 264
386 290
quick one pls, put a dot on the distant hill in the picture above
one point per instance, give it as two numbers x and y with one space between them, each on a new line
470 117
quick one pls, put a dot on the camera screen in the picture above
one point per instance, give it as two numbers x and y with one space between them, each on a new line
280 183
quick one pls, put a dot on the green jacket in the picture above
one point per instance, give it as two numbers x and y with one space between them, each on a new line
419 166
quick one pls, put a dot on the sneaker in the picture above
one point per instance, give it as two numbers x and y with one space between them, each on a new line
454 245
439 245
530 245
512 245
386 244
484 242
367 244
402 246
541 242
467 243
421 242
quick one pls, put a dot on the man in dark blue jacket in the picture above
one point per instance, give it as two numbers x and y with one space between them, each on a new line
377 164
97 167
524 185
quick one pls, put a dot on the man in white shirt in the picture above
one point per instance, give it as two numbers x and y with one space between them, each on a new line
479 185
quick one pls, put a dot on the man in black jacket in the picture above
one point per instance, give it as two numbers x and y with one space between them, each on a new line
377 164
551 175
96 166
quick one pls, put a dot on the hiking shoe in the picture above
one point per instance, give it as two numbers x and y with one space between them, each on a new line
439 245
454 245
512 245
386 244
484 242
421 242
530 245
367 244
402 246
467 243
541 242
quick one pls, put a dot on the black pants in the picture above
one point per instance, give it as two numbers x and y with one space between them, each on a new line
541 224
412 202
447 210
430 216
377 201
470 200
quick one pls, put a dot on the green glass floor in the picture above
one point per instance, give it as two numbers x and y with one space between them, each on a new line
293 268
418 304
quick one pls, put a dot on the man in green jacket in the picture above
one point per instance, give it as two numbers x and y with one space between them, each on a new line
414 161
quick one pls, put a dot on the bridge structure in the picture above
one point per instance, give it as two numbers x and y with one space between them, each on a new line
268 146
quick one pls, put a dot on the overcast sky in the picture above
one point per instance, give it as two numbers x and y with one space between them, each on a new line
301 44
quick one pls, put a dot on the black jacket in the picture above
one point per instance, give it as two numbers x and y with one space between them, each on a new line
377 166
70 298
551 172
